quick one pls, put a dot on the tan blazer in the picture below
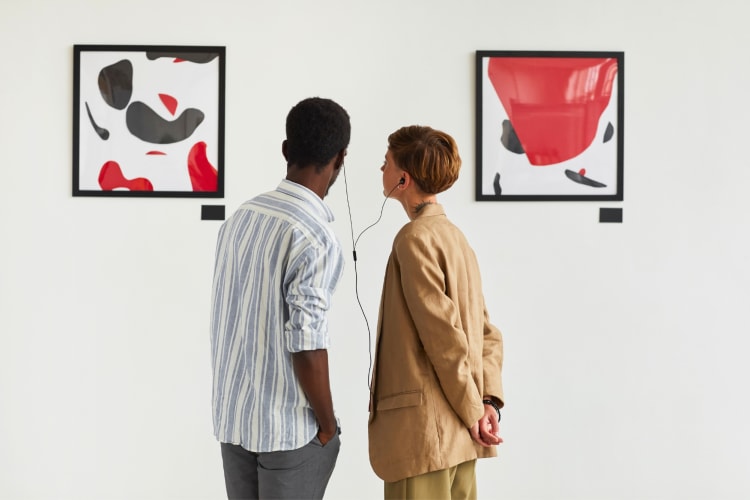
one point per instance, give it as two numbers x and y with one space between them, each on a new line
436 354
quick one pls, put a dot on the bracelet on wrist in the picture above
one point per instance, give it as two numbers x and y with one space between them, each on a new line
494 405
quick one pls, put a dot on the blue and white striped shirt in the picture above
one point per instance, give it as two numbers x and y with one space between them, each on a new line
277 265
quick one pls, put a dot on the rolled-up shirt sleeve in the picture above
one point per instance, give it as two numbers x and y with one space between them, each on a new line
311 279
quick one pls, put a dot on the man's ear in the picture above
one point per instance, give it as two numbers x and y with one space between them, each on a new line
339 159
283 150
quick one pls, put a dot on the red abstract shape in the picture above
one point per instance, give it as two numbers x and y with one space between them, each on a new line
203 176
156 153
554 104
110 177
178 60
582 171
170 102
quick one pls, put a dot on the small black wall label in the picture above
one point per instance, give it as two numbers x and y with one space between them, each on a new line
212 212
610 215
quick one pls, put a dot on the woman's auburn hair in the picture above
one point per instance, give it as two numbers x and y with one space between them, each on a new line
430 156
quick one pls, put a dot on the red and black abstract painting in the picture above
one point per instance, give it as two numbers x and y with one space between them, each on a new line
549 125
148 121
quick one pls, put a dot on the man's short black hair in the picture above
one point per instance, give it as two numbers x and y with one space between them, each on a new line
316 130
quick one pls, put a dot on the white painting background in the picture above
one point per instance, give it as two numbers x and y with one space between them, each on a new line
193 85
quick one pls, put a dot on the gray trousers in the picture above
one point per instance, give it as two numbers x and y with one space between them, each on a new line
295 474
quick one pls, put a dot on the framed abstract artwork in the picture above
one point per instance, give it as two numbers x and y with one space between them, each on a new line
148 121
549 126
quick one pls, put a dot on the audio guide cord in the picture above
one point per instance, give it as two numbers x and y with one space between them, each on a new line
356 276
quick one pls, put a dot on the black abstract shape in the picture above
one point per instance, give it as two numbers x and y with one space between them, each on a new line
609 132
101 132
580 179
196 57
116 84
496 185
510 140
144 123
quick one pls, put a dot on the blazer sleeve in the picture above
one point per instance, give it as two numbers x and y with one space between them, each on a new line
492 360
436 319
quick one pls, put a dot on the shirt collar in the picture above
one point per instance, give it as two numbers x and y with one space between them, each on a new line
431 210
308 196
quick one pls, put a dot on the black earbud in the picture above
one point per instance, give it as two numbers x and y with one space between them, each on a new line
403 179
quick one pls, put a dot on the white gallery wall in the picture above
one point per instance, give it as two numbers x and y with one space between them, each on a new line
626 344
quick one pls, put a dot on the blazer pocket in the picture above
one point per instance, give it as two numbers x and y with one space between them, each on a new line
401 400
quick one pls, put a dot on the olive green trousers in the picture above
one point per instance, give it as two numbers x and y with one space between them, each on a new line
455 483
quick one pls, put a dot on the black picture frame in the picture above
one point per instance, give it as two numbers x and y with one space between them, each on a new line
549 125
148 120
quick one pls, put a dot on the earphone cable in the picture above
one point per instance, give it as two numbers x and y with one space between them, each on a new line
356 282
356 276
371 225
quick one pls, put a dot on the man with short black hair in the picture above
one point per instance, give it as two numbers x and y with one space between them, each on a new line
277 265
